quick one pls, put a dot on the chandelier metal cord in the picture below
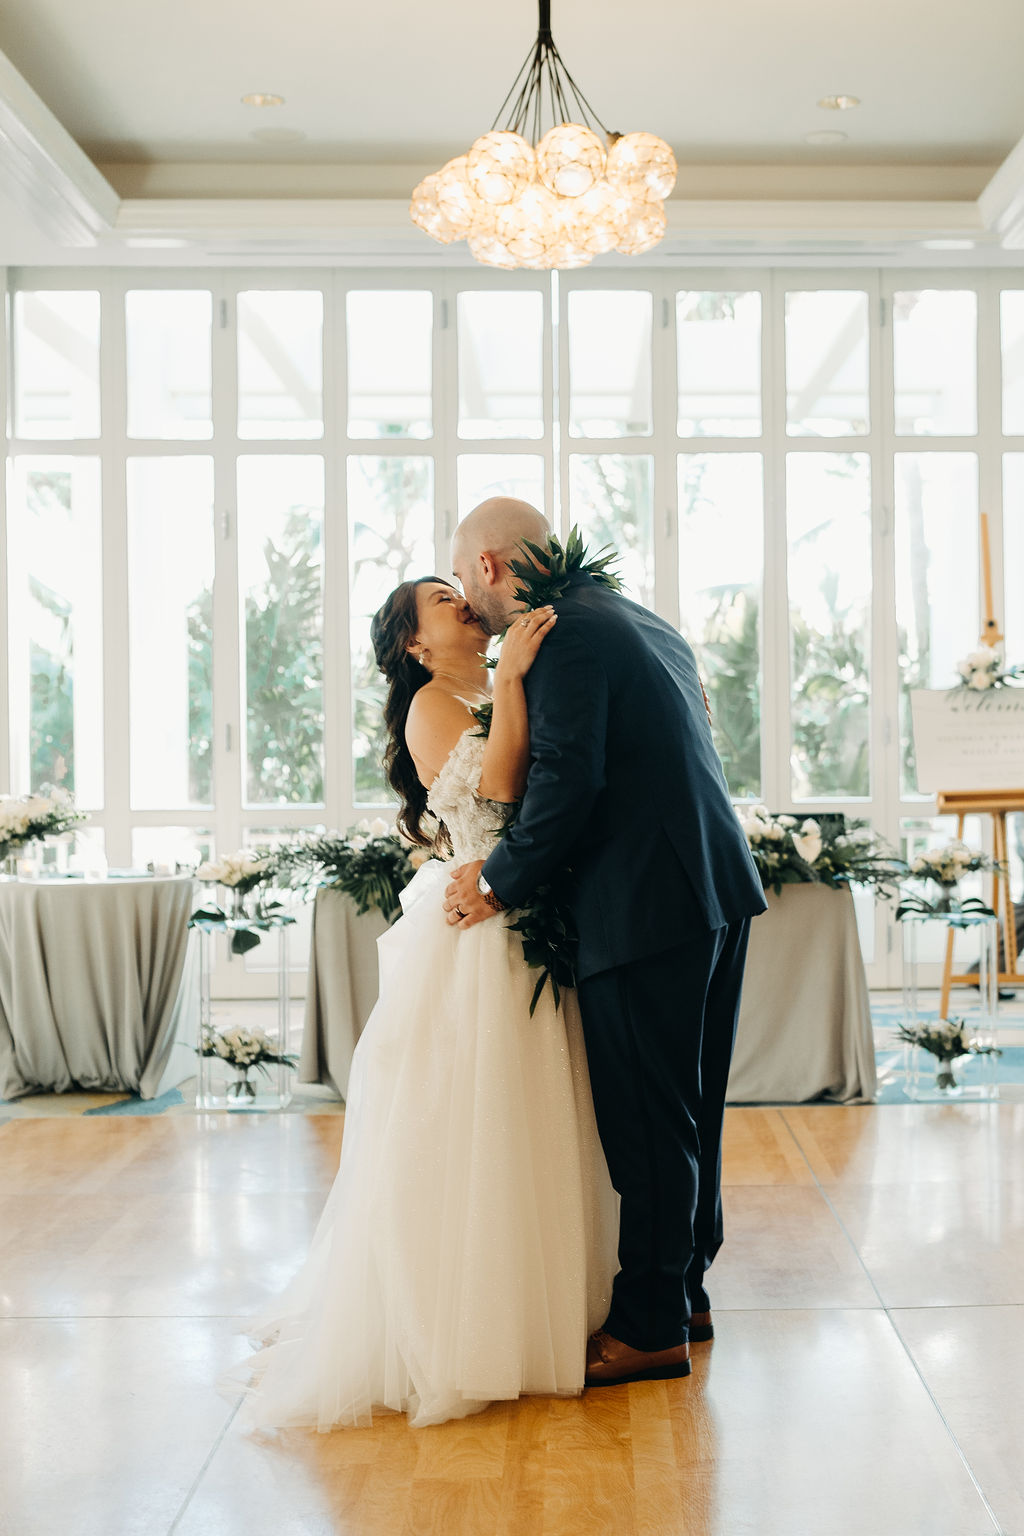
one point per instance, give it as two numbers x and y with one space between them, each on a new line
545 65
521 198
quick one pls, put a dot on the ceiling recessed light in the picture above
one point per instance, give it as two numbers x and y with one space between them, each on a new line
948 245
262 99
839 103
826 136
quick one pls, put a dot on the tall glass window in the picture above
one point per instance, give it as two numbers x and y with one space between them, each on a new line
718 340
390 364
56 574
610 363
168 336
280 364
280 577
936 578
828 519
721 577
501 377
57 364
391 540
935 359
827 363
611 498
170 646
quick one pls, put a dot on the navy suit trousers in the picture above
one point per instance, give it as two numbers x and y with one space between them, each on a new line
659 1034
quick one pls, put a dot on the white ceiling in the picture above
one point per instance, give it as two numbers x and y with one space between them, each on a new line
734 81
122 132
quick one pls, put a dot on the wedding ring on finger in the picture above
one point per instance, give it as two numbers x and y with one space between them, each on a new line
459 912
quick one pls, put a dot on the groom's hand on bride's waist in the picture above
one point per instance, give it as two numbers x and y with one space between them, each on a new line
464 902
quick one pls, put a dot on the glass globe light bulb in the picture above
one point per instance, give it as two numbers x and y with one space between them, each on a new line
642 165
490 252
598 218
426 213
530 225
570 159
645 227
500 165
457 200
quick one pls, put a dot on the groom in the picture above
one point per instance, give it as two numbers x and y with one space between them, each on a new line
626 787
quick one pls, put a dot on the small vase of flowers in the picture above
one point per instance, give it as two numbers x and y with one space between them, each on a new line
949 1042
246 1050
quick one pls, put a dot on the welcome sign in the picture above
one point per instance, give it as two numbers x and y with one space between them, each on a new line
966 740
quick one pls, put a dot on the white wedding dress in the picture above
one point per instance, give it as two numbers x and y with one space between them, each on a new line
468 1244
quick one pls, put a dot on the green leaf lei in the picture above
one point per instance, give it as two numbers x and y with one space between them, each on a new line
544 921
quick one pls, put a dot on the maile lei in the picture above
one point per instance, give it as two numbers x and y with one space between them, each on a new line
544 921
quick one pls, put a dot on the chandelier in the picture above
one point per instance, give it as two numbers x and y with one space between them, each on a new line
523 198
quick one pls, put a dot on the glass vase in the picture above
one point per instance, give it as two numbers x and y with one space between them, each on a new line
241 1092
945 1078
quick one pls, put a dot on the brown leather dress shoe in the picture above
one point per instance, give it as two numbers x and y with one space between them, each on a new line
610 1362
701 1329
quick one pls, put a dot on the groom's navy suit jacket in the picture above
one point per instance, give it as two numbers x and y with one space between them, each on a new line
625 786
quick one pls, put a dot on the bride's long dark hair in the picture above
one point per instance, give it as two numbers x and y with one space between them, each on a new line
394 626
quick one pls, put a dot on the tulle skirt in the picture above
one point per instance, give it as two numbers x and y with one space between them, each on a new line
468 1244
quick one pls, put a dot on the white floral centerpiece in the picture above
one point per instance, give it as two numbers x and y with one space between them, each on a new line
239 874
29 818
945 867
244 1049
947 1040
986 668
794 850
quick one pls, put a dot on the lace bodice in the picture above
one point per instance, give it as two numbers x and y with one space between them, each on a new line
473 823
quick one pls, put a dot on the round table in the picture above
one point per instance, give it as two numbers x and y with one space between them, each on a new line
95 991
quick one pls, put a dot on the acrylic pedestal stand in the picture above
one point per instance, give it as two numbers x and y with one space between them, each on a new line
974 1077
219 1084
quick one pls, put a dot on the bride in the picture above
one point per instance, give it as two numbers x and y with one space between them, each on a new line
467 1247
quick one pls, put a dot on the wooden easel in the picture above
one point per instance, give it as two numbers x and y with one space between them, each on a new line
997 803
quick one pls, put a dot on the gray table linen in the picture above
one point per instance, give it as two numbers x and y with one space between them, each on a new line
91 985
341 988
805 1021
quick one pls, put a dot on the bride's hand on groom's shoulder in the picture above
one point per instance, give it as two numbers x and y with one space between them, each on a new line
464 904
523 639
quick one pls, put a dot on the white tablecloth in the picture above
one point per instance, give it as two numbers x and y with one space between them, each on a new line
97 985
805 1021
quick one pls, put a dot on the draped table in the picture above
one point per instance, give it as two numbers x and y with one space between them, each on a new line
341 988
805 1024
98 985
805 1021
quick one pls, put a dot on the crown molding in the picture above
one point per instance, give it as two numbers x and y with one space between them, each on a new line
43 171
1001 203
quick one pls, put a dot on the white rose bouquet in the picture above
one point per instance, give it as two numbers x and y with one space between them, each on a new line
244 1049
947 1040
825 850
47 812
985 668
240 873
945 867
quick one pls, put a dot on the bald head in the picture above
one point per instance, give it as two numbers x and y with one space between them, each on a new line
483 545
498 527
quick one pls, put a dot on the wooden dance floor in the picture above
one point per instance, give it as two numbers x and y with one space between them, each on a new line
867 1378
